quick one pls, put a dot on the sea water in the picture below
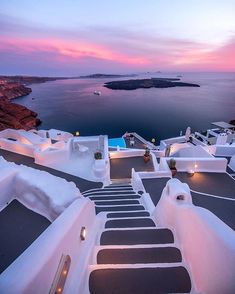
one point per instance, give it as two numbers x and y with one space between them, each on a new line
71 105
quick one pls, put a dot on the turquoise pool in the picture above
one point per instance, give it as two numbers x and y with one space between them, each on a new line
114 142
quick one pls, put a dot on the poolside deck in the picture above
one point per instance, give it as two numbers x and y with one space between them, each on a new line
82 184
138 144
120 168
19 228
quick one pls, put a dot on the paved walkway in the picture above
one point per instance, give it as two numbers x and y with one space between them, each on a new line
220 184
19 227
82 184
120 168
154 187
224 209
202 183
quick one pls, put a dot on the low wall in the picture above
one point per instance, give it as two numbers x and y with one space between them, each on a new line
225 150
6 179
201 164
38 190
50 156
17 147
208 245
126 153
35 269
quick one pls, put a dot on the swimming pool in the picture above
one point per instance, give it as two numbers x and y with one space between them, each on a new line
114 142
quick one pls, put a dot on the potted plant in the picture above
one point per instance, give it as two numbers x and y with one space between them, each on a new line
146 155
98 155
172 166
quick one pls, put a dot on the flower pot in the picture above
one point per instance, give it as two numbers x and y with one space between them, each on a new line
173 172
146 159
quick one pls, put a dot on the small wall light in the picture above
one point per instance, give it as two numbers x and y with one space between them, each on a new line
77 133
195 165
191 172
153 140
83 233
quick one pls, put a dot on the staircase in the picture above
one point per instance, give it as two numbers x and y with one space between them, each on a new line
133 256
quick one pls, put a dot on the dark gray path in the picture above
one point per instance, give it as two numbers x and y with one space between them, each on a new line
82 184
19 227
120 168
224 209
154 187
219 184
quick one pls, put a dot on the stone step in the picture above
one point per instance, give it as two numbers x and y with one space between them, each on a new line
121 181
139 255
133 237
116 202
118 188
119 185
109 193
140 280
118 208
119 197
127 214
121 189
130 223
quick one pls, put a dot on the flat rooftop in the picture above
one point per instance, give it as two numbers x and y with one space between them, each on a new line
19 228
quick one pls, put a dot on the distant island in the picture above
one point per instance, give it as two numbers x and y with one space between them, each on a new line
102 76
147 83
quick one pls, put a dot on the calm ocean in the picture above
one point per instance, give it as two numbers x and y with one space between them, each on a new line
70 105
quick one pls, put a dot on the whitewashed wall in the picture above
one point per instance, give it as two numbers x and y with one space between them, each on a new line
34 270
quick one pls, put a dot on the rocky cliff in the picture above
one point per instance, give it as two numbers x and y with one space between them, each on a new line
13 115
11 90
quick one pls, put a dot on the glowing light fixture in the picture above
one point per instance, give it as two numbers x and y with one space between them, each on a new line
153 140
191 172
83 233
195 165
77 133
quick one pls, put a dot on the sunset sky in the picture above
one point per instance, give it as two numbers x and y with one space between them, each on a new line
73 37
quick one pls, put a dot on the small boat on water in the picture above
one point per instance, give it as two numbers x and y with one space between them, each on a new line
97 93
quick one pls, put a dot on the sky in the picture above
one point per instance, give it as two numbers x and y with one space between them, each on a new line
75 37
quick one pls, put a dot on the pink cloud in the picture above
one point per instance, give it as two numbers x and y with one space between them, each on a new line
70 50
143 53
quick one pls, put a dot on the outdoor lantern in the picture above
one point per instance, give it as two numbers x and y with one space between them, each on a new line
191 172
77 133
153 140
83 233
